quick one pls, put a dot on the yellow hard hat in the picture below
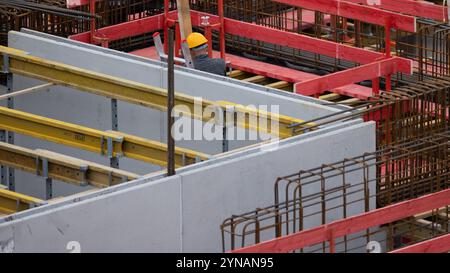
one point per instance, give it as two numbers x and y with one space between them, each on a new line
196 39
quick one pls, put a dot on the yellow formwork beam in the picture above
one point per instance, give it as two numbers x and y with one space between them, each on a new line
62 167
12 202
107 143
105 85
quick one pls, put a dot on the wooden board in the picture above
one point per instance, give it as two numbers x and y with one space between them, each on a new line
184 18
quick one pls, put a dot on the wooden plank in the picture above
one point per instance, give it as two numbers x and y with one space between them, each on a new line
351 101
255 79
236 73
184 18
278 85
80 162
330 97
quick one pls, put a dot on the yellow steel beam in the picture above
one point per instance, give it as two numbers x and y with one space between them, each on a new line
108 143
12 202
61 167
105 85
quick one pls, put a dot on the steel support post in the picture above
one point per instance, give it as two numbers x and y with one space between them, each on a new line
170 105
114 160
388 51
11 176
7 174
3 169
225 146
48 180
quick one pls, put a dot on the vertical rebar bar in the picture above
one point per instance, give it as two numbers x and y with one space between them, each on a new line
170 105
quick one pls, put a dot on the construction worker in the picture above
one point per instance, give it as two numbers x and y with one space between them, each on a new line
198 44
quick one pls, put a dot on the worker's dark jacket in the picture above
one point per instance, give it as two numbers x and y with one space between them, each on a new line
215 66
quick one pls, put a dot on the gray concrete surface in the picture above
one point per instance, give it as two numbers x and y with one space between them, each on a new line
155 213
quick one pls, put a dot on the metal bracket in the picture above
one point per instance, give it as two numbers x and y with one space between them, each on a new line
231 110
110 147
183 159
84 169
45 168
5 63
187 55
102 141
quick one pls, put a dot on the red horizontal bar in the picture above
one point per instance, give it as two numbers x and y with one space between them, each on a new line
140 26
299 41
243 29
439 244
416 8
352 224
271 71
354 75
355 11
127 29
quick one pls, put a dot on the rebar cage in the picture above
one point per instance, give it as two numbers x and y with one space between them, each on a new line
411 160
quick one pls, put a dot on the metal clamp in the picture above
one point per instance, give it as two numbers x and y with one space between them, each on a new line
84 169
109 146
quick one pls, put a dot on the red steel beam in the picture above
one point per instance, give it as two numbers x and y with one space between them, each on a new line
351 225
354 75
248 30
439 244
299 41
416 8
355 11
127 29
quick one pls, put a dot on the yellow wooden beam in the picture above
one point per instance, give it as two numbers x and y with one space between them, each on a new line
351 101
278 85
329 97
107 143
105 85
255 79
12 202
61 167
236 73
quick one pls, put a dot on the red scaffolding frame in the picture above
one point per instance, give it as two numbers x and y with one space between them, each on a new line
329 232
373 64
